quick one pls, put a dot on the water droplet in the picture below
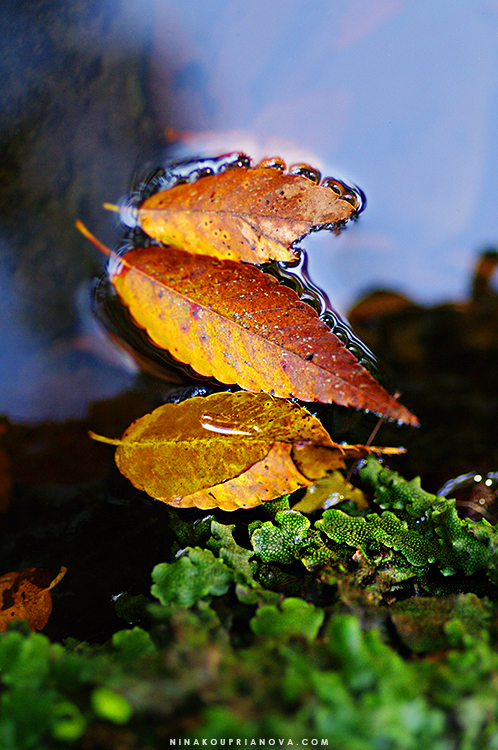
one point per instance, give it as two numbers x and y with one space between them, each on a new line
305 170
355 350
350 193
453 484
233 161
359 197
475 496
335 185
312 301
224 425
128 213
350 198
273 162
334 499
198 174
175 172
341 335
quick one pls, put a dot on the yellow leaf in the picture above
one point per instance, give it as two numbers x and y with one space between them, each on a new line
229 450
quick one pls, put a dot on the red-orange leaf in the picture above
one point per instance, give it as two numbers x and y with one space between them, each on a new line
237 324
26 596
249 214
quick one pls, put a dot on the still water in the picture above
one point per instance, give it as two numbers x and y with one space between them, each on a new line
396 96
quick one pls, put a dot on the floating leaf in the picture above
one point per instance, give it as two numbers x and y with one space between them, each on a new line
26 596
229 450
244 214
233 322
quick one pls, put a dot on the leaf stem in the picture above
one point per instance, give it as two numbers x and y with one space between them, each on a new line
103 439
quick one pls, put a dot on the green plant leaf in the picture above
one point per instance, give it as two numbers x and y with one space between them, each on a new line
195 575
370 532
294 619
111 706
133 643
280 542
427 526
233 555
422 622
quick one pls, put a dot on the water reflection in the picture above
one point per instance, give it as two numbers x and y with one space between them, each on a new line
73 118
396 96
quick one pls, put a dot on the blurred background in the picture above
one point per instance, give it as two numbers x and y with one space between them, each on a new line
396 96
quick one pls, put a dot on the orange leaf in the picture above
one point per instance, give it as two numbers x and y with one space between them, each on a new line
233 322
229 450
26 596
249 214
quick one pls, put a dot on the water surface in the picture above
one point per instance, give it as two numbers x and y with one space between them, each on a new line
398 97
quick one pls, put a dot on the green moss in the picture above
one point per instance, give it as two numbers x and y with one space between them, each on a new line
111 706
133 644
192 577
286 630
279 541
431 526
294 618
369 533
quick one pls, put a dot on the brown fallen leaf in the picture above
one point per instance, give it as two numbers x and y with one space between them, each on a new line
233 322
229 450
26 596
251 214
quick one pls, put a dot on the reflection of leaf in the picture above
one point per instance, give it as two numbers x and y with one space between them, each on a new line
26 596
330 490
229 450
247 214
233 322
